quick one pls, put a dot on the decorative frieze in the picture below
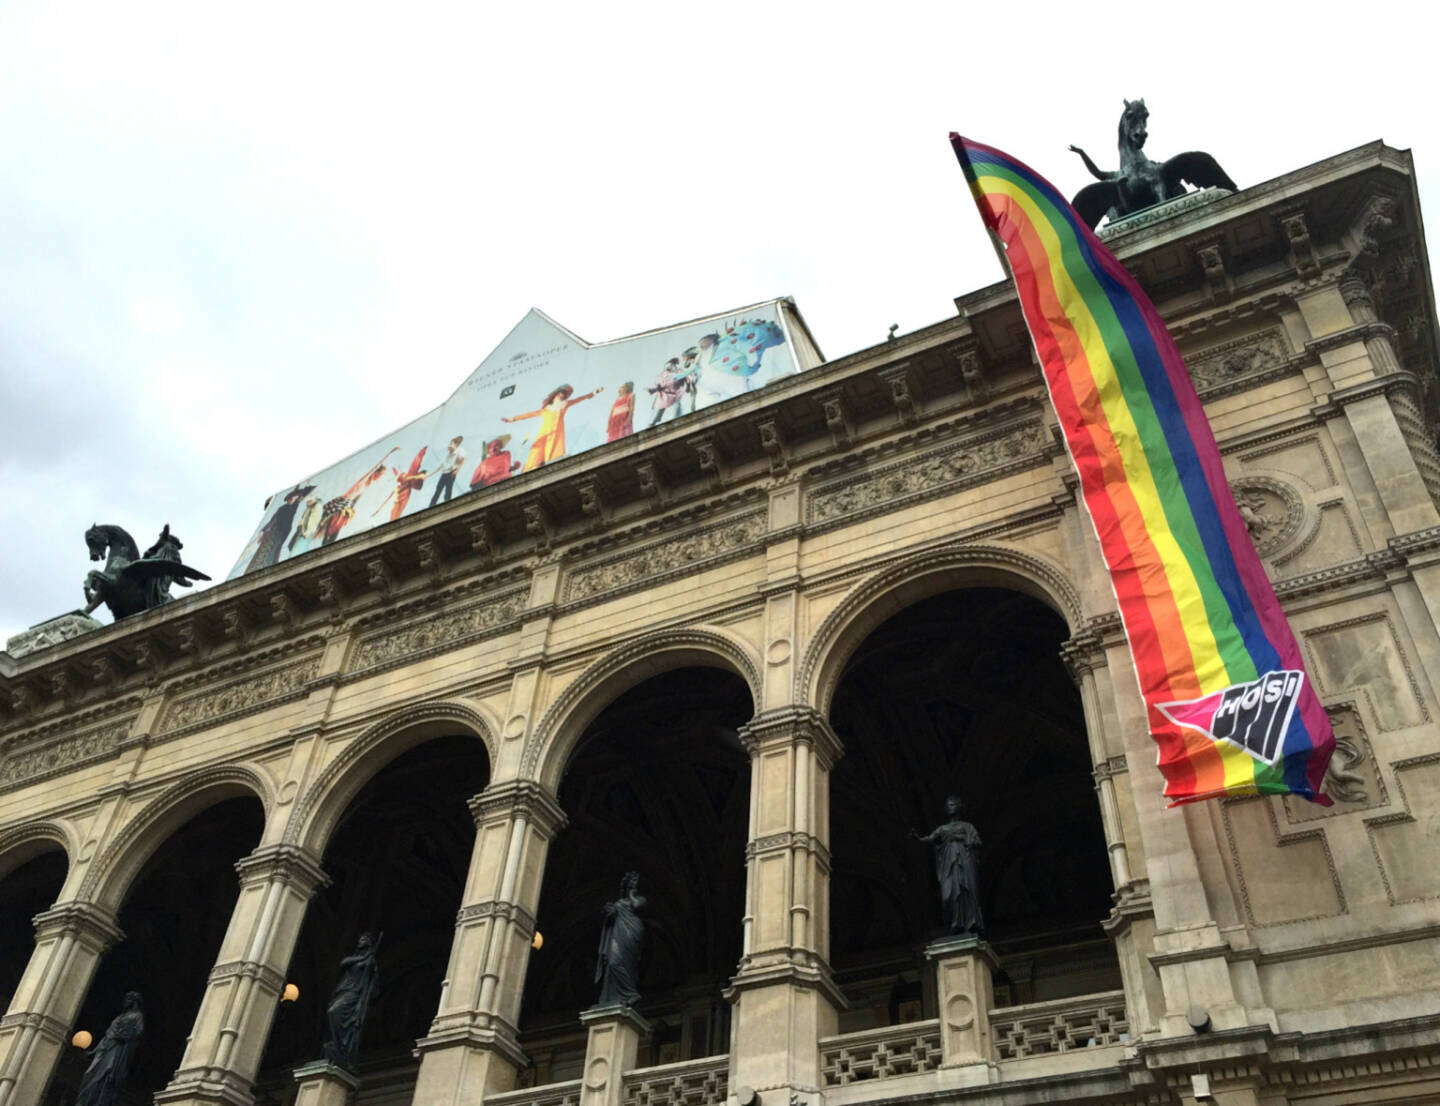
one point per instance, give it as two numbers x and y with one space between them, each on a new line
1242 363
966 462
684 553
438 632
24 764
253 693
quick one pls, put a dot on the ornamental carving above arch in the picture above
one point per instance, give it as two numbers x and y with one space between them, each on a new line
154 812
728 649
304 820
56 833
1026 572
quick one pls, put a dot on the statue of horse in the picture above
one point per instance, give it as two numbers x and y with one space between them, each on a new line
1140 182
130 583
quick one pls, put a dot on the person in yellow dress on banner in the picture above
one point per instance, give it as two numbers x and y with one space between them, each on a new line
549 443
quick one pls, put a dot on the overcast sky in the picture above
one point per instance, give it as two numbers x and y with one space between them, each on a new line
238 242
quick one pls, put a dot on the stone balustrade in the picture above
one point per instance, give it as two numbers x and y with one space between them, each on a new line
883 1053
704 1082
1046 1028
551 1094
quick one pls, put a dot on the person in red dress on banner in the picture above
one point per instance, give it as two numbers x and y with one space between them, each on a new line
622 413
495 465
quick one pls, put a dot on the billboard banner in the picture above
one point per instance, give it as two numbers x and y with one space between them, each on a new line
543 394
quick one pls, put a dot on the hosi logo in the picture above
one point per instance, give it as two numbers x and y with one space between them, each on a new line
1252 715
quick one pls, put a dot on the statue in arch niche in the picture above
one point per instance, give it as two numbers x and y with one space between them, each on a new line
957 868
1140 183
103 1083
622 935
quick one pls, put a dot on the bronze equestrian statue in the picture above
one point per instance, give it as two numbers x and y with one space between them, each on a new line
130 583
1140 182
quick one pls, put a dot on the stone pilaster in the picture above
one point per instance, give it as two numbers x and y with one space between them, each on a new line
964 992
610 1051
784 996
233 1023
472 1046
70 939
323 1084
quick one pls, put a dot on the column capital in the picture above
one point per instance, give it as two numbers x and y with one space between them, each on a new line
790 725
92 924
503 801
296 867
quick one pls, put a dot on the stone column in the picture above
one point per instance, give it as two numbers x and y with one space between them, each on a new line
70 939
964 993
785 999
610 1050
233 1023
472 1047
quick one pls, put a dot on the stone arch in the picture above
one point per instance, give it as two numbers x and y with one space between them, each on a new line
29 841
559 730
911 579
325 800
112 873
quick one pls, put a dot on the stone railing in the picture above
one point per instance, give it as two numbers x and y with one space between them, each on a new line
551 1094
883 1053
1045 1028
689 1083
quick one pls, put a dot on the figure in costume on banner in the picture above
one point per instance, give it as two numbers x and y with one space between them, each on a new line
549 443
622 413
274 532
495 464
957 868
339 511
729 362
306 528
690 374
622 935
411 480
667 390
454 458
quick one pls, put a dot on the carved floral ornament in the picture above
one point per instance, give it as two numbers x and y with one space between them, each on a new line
287 681
896 484
682 553
1239 363
23 763
447 630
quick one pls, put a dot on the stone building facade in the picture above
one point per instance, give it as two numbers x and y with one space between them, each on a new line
1250 951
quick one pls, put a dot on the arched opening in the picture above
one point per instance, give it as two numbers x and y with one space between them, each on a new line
27 889
658 784
397 862
174 916
964 693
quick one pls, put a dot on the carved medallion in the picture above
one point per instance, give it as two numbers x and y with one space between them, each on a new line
1273 511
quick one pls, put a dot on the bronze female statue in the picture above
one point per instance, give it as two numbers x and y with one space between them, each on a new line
622 935
350 1003
104 1080
957 867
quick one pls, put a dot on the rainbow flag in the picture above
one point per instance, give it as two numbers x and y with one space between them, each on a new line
1227 696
